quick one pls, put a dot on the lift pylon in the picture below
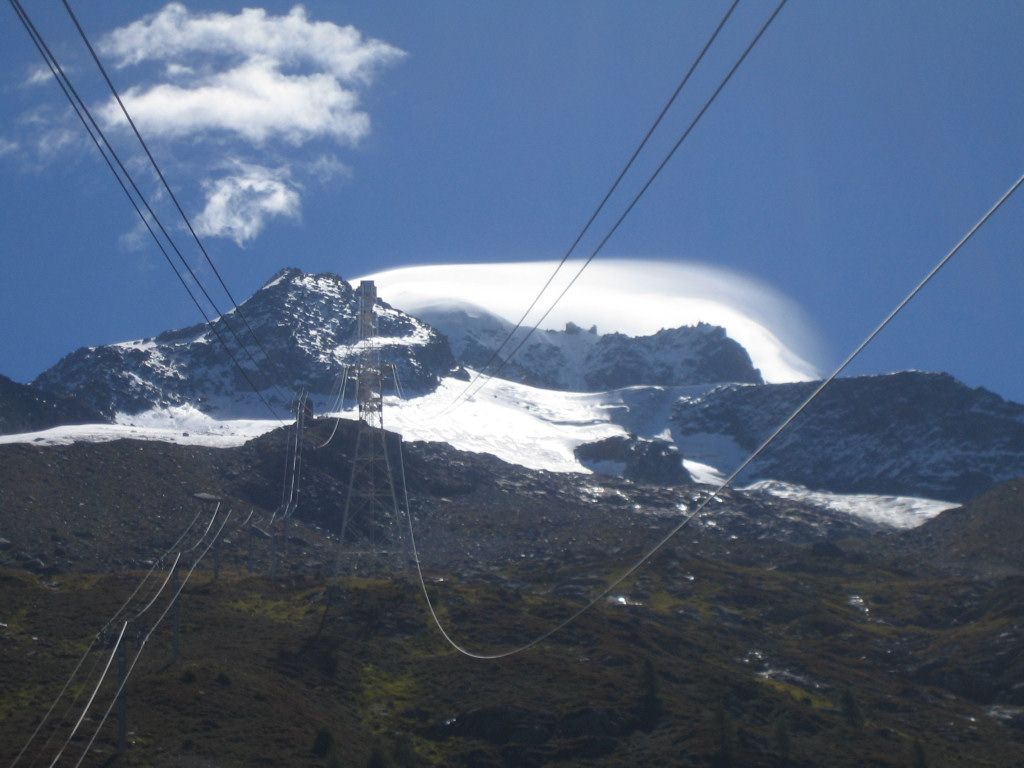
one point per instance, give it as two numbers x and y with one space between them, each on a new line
371 520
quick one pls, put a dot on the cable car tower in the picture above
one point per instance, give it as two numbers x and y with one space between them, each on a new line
371 520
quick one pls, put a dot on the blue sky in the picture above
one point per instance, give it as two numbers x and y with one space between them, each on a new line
855 146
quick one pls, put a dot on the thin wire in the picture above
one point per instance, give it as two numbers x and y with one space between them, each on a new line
286 506
284 482
136 616
340 402
67 711
301 448
83 112
95 690
149 605
629 208
607 196
335 393
170 191
394 369
726 483
145 639
92 645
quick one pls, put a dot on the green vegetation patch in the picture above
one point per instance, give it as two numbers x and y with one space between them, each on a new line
291 611
796 692
384 695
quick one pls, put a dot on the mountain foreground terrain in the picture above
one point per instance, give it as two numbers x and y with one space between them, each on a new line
859 601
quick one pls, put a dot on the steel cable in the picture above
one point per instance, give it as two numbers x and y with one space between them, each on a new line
90 124
725 483
145 639
618 222
606 198
92 645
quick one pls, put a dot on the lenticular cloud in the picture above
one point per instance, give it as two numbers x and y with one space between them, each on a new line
635 297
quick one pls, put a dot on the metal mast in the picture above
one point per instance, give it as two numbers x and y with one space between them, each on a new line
370 519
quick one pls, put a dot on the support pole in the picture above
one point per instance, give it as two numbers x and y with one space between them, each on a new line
273 551
122 698
286 525
248 559
176 636
216 558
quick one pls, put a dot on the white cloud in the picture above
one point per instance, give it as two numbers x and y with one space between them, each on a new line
254 100
50 142
290 40
630 296
135 239
39 74
277 76
252 86
239 204
326 167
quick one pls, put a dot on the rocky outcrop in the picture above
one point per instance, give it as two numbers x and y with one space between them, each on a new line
578 359
909 433
24 408
655 461
306 326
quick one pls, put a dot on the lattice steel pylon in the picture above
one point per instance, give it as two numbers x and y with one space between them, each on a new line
371 520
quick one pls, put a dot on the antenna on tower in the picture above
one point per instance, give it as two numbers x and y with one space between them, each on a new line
371 517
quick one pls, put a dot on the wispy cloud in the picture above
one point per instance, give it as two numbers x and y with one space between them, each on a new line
255 101
251 74
8 147
239 203
175 33
277 93
327 167
38 75
52 141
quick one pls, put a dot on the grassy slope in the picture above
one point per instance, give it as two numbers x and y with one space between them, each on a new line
256 683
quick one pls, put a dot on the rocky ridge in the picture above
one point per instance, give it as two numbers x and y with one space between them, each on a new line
583 360
25 408
306 323
910 433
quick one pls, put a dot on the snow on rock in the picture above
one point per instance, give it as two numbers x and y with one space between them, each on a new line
908 433
524 425
307 327
582 360
891 511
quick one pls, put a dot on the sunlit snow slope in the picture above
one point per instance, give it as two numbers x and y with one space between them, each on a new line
524 425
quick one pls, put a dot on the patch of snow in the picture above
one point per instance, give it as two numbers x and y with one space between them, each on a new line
719 452
275 281
893 511
532 427
608 467
703 473
183 425
140 344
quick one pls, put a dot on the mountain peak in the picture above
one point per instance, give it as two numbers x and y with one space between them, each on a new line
581 359
307 329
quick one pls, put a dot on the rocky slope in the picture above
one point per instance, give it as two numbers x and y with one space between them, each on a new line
765 634
307 325
911 433
986 533
582 360
24 408
652 461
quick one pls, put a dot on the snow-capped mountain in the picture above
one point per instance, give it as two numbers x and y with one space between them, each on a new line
912 433
582 360
306 324
610 403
